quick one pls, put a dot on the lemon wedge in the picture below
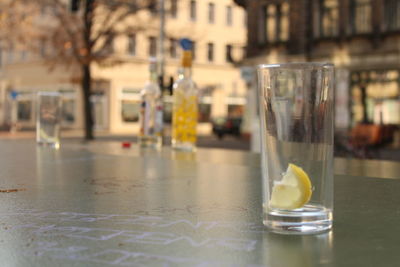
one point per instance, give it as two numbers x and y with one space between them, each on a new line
293 191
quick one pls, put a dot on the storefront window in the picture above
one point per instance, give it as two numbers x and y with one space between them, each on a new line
68 111
205 101
68 106
235 110
24 110
204 112
130 105
235 104
130 110
381 97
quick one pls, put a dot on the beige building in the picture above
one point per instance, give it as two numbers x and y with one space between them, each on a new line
361 38
218 29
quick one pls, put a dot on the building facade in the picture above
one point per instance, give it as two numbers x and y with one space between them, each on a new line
217 28
361 37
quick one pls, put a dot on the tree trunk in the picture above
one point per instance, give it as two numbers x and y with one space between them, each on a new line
86 89
364 103
86 73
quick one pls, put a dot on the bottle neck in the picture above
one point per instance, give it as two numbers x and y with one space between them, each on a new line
186 64
153 77
185 72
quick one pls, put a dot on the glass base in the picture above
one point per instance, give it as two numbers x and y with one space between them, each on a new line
184 146
55 145
150 141
307 220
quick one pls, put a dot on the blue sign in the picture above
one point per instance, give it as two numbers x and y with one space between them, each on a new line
14 94
186 44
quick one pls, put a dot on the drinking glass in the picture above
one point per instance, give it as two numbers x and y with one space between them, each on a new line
296 113
48 119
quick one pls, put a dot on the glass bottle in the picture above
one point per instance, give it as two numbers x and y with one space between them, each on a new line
184 111
150 134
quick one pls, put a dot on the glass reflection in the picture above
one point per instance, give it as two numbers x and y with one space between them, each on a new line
297 251
184 155
46 157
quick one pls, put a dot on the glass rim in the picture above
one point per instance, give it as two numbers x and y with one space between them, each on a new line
296 65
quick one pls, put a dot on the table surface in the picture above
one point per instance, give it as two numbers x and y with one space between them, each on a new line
98 204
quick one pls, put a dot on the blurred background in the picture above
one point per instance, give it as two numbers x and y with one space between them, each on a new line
96 53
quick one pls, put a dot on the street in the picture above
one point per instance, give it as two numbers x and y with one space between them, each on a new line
209 141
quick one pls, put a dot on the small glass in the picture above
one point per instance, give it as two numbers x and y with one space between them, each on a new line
296 113
48 119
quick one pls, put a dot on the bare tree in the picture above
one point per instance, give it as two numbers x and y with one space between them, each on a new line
78 38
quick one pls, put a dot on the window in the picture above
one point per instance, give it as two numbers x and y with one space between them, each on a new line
132 44
10 54
43 10
130 105
205 101
68 48
235 110
329 18
24 110
42 48
211 13
24 55
152 6
272 22
174 8
47 9
210 52
68 106
228 55
130 110
229 16
360 14
193 50
283 30
173 44
152 46
262 25
375 96
392 15
277 23
108 47
68 111
204 112
192 10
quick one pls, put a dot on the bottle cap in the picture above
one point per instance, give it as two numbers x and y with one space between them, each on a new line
186 44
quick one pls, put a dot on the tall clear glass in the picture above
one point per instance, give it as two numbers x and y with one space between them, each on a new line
48 118
296 112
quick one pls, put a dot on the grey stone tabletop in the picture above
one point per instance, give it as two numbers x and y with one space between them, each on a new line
98 204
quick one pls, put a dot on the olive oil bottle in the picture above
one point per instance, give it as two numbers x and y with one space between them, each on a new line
185 109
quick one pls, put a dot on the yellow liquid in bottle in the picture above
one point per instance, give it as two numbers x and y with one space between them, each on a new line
184 121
